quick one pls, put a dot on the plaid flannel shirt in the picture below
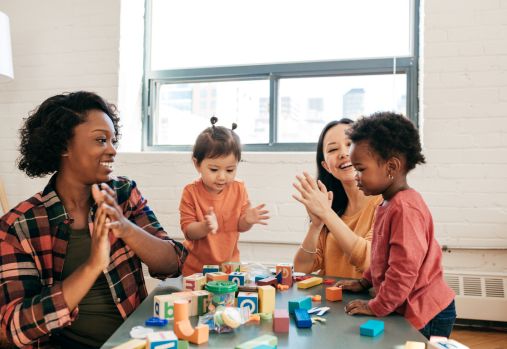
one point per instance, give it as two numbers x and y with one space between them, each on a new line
33 244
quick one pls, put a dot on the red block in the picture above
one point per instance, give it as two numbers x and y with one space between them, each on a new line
281 321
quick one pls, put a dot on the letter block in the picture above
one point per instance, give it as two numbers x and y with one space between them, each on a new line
334 294
238 277
230 267
194 282
371 328
210 268
161 340
287 270
217 276
249 300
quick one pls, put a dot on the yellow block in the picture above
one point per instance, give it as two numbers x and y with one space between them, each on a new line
415 345
266 299
132 344
310 282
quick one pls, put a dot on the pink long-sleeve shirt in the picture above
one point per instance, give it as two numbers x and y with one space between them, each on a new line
406 261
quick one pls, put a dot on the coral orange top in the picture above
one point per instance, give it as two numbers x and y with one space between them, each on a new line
229 205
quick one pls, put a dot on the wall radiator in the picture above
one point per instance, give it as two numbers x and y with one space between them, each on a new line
479 296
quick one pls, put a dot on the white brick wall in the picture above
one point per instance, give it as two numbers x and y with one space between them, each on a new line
62 45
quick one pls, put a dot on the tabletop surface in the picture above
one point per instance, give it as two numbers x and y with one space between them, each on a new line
339 331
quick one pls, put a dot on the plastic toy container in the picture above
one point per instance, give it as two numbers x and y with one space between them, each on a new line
222 292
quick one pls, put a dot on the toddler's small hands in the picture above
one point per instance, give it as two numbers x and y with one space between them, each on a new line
211 221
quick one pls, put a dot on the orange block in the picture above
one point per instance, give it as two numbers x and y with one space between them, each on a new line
334 294
183 328
317 298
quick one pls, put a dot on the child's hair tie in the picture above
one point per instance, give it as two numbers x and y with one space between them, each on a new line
213 120
234 126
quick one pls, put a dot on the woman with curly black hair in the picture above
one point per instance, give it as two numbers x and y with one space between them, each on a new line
77 246
406 265
338 240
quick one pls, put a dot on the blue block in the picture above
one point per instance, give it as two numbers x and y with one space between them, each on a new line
279 277
303 320
259 277
371 328
300 303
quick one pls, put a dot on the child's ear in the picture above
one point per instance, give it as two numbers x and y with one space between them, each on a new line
196 165
394 164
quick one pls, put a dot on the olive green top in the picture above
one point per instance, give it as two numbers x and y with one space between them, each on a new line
98 315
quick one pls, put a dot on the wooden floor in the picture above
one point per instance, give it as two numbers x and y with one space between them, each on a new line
476 339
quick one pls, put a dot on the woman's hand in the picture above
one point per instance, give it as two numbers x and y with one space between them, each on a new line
358 306
100 247
211 221
106 198
350 285
313 195
256 215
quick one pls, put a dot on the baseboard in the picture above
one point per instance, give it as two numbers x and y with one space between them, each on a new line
481 325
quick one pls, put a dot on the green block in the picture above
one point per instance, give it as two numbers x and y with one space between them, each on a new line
267 339
182 344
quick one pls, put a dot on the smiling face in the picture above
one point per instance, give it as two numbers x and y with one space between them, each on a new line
90 152
216 173
335 148
371 171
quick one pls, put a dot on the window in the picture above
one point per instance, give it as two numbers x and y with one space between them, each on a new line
279 69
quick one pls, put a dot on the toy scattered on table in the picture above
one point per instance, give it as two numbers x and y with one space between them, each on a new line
301 278
140 332
328 282
163 304
210 268
268 281
155 321
132 344
260 277
334 294
266 299
217 276
371 328
310 282
183 328
223 293
255 318
165 339
231 267
415 345
281 321
317 298
286 271
266 340
302 318
316 319
282 287
318 310
266 316
300 303
194 282
182 344
248 288
249 300
445 343
238 277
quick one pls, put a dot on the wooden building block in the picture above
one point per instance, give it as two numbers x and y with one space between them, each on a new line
260 277
371 328
281 321
302 318
266 339
183 328
230 267
415 345
217 276
194 282
165 339
210 268
203 300
182 344
249 300
132 344
445 344
268 281
300 303
287 270
238 277
266 299
334 293
310 282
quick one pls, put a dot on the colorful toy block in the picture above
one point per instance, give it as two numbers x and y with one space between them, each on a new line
266 299
286 270
300 303
317 298
198 300
415 345
268 281
260 277
210 268
217 276
162 340
248 288
281 321
163 307
183 328
249 300
371 328
203 300
132 344
302 318
445 344
238 277
182 344
334 294
267 339
194 282
230 267
310 282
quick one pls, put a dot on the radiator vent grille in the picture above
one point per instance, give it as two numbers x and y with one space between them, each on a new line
472 286
477 286
494 287
453 282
